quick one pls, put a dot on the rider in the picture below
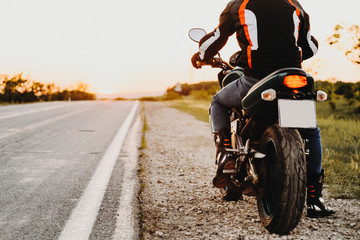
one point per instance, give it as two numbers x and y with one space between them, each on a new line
272 34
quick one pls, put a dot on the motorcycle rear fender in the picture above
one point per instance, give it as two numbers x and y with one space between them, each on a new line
275 81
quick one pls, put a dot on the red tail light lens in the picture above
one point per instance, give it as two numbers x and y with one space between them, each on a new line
295 81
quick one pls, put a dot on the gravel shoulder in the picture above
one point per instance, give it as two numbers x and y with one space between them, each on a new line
178 200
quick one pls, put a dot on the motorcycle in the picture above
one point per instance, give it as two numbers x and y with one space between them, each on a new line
269 150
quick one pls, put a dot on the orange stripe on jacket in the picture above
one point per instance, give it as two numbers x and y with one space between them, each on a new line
298 14
246 29
297 9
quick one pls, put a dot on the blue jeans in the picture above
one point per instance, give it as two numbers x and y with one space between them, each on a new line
231 96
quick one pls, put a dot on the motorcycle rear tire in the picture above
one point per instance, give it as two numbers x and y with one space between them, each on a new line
281 202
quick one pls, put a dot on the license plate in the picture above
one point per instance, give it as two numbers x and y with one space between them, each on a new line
297 113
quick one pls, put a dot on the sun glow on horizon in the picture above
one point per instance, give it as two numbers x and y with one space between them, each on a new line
106 91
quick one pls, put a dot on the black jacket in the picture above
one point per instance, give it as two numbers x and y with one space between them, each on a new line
272 34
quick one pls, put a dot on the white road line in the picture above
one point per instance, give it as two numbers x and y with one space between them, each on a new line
127 222
81 222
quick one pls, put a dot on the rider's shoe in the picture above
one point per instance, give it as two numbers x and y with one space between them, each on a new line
232 195
225 160
226 167
315 203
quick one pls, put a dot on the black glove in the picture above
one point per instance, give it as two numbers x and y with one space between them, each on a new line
196 58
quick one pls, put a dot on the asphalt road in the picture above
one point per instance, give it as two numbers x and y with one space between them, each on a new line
49 155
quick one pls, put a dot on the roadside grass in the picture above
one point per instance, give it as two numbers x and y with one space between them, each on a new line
341 109
198 108
341 149
144 128
141 174
340 133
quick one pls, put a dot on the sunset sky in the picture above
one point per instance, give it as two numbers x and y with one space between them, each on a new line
137 46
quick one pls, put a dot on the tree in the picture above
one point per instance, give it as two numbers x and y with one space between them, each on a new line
38 89
13 88
50 87
82 87
17 89
347 39
345 89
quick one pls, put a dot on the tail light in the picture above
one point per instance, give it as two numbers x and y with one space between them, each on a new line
295 81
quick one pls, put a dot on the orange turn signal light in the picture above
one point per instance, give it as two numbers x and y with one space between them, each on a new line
295 81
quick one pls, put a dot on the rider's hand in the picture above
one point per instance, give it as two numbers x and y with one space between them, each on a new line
196 58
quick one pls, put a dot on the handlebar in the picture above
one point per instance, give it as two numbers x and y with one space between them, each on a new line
215 62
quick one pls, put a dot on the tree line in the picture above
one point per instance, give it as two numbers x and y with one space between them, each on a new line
17 89
201 90
348 90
